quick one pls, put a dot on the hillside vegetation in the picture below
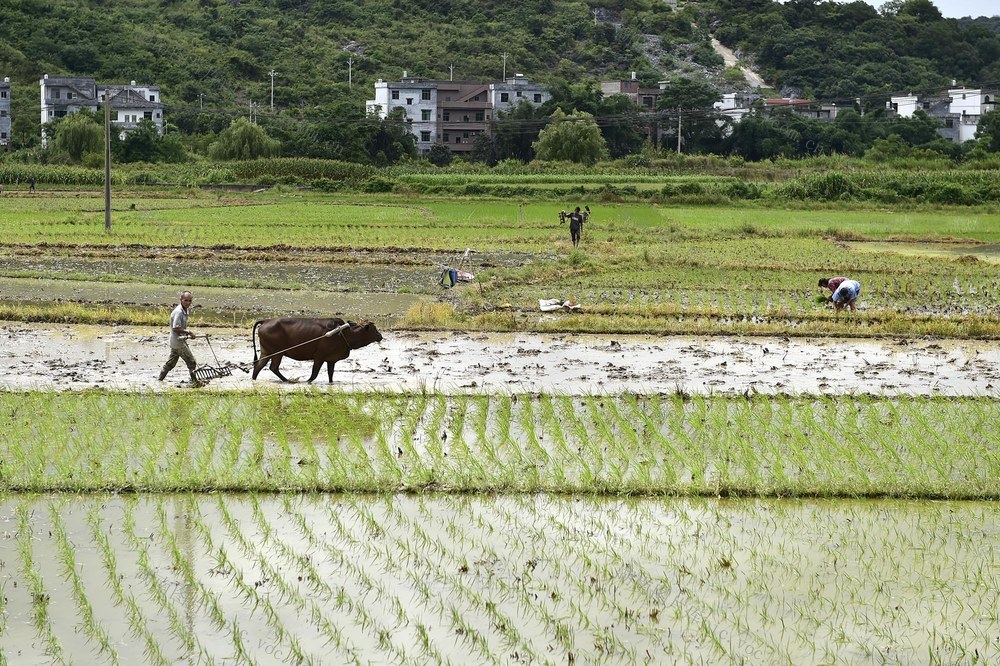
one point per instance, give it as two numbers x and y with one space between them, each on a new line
213 60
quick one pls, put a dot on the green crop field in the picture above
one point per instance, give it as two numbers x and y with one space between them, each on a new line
322 526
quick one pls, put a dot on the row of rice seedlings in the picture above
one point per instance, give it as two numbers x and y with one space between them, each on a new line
248 592
40 599
596 579
633 444
85 610
359 578
449 611
138 622
472 616
178 627
321 616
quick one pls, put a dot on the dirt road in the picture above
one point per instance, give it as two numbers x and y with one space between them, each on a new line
73 357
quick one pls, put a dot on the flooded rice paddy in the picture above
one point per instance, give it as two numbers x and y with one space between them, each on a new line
420 579
72 357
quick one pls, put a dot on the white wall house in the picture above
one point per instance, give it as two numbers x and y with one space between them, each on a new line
451 112
418 98
959 111
130 103
505 95
5 118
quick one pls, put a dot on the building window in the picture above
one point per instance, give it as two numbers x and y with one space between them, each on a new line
504 97
446 116
409 100
538 98
3 135
518 93
3 113
447 137
55 94
3 94
425 94
69 95
152 98
395 94
147 115
425 136
479 116
949 123
458 139
425 114
647 101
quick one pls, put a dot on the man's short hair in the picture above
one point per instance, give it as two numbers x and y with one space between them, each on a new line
823 282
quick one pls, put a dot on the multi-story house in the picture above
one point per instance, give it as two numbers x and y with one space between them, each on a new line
506 95
644 98
131 103
450 112
5 117
959 111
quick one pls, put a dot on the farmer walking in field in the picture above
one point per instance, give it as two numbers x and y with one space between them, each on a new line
179 335
575 226
844 292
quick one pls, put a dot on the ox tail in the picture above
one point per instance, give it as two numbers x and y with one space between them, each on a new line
253 337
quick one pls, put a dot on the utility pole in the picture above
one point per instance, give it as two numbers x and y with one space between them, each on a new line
504 56
451 72
594 12
350 72
272 74
201 101
107 160
678 130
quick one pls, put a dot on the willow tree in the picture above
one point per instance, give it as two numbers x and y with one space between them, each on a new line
574 138
243 140
77 135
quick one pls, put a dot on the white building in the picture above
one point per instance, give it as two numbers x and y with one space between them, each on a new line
418 98
959 111
130 103
5 117
451 112
505 95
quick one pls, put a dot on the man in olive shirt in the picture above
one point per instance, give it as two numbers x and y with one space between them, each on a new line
179 335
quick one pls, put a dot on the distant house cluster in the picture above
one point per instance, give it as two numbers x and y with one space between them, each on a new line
451 112
61 95
959 111
130 103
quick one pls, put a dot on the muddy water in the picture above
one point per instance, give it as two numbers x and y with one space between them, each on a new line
73 357
771 581
984 252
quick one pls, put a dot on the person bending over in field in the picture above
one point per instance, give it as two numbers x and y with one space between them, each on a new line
844 292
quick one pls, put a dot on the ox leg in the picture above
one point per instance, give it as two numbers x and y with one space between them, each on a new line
275 362
329 369
257 367
317 364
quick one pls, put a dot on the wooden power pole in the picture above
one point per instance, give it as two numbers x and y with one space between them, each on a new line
107 160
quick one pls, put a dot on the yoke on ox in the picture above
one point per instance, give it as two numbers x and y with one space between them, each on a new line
308 339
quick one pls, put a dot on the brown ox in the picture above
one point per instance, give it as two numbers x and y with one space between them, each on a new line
308 339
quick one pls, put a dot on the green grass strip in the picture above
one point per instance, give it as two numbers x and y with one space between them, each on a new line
319 441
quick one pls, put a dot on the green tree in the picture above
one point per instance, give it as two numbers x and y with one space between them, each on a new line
140 144
575 138
243 141
440 155
78 134
988 132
